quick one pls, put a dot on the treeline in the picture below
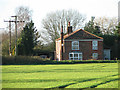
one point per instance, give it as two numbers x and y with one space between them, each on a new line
108 28
34 42
113 43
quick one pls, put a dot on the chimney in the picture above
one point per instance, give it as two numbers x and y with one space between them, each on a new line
69 29
68 23
61 55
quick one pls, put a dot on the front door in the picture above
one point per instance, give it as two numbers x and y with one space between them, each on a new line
107 54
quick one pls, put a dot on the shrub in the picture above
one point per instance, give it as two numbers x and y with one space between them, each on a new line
32 60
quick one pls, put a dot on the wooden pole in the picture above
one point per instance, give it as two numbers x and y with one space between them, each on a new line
10 53
61 43
16 33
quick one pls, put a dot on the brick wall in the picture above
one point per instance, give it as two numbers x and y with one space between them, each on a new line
85 47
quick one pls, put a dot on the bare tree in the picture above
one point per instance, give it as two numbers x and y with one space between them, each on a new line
107 24
53 21
24 14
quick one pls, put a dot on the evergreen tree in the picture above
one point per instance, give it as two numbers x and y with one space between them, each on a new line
28 40
119 40
91 27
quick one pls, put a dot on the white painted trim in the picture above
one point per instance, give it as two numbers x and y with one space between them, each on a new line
73 55
58 41
84 40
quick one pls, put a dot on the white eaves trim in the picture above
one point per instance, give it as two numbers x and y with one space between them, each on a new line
85 40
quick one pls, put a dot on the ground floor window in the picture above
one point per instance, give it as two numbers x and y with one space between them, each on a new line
95 55
75 56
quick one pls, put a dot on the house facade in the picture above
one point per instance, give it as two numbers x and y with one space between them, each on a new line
79 45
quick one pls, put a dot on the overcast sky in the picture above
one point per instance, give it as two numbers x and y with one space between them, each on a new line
40 8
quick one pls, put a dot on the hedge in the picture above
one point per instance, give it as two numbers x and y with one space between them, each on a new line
32 60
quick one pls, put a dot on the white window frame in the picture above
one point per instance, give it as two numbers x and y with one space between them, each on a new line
77 46
95 45
95 55
73 56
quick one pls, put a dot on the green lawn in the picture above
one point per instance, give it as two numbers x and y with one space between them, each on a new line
96 75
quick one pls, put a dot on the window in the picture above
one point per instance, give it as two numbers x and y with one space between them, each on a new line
75 56
95 45
95 55
75 45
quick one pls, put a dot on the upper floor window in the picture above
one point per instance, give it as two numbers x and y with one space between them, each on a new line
75 45
95 45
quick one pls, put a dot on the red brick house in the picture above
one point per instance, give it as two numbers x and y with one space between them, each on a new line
78 45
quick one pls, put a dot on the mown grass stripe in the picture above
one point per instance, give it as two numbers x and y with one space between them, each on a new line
58 76
103 83
64 86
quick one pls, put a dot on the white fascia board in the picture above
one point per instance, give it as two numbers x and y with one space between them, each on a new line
85 40
58 40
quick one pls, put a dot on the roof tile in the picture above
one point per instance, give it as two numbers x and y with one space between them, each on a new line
80 34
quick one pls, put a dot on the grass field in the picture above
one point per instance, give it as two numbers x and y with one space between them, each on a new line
96 75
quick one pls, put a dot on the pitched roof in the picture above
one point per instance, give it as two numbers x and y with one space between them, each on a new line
106 47
80 34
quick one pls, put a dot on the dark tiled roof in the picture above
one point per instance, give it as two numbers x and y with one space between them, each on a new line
80 34
105 46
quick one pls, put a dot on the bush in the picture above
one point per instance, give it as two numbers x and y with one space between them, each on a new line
33 60
22 60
